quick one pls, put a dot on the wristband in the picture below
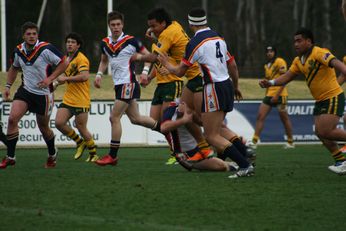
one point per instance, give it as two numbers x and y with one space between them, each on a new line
272 82
8 85
99 74
145 70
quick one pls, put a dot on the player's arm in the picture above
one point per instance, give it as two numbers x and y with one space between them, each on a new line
169 125
178 70
102 68
233 71
341 67
282 71
58 71
144 77
280 81
11 77
150 57
82 77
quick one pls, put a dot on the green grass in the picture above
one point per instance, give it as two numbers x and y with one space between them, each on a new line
292 190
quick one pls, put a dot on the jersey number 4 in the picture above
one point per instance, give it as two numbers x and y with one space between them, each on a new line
218 51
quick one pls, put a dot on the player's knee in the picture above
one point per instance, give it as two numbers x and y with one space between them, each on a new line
322 134
59 124
114 119
135 120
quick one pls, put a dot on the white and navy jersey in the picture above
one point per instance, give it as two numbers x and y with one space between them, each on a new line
36 65
209 50
119 54
183 141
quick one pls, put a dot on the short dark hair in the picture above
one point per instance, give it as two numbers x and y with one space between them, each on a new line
115 15
28 25
160 15
197 12
271 48
75 36
305 33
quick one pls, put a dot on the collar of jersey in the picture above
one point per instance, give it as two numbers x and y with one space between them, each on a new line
120 38
201 30
24 46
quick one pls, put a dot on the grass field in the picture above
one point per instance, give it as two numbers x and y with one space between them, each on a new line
291 190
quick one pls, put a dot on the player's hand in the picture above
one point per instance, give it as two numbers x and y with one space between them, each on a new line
144 80
61 79
97 81
6 94
188 113
44 83
163 59
264 83
162 70
149 34
238 95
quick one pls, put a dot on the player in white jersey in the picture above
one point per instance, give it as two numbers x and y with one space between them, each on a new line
176 120
210 51
117 50
36 60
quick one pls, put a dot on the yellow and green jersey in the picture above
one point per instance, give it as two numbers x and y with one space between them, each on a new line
173 41
77 94
272 71
319 76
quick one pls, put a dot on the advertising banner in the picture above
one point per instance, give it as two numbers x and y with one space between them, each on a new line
242 120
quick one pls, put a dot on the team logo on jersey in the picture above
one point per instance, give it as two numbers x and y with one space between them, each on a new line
325 57
158 45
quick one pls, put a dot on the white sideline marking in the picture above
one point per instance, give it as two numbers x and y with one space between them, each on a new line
83 219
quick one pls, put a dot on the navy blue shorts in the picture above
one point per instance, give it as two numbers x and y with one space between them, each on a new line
218 96
127 91
39 104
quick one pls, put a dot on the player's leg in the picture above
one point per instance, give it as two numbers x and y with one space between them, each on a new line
218 99
326 129
49 138
81 120
63 115
163 96
282 109
119 108
43 105
263 111
211 164
3 137
192 96
18 109
136 118
239 143
212 123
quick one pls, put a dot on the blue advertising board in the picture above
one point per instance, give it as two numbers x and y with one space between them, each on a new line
243 120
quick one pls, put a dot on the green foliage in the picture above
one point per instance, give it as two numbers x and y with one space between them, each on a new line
291 190
248 26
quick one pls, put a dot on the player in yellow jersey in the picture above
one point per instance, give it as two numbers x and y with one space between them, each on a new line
318 66
76 100
276 96
172 39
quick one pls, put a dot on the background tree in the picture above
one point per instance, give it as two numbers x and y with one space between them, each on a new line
247 25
